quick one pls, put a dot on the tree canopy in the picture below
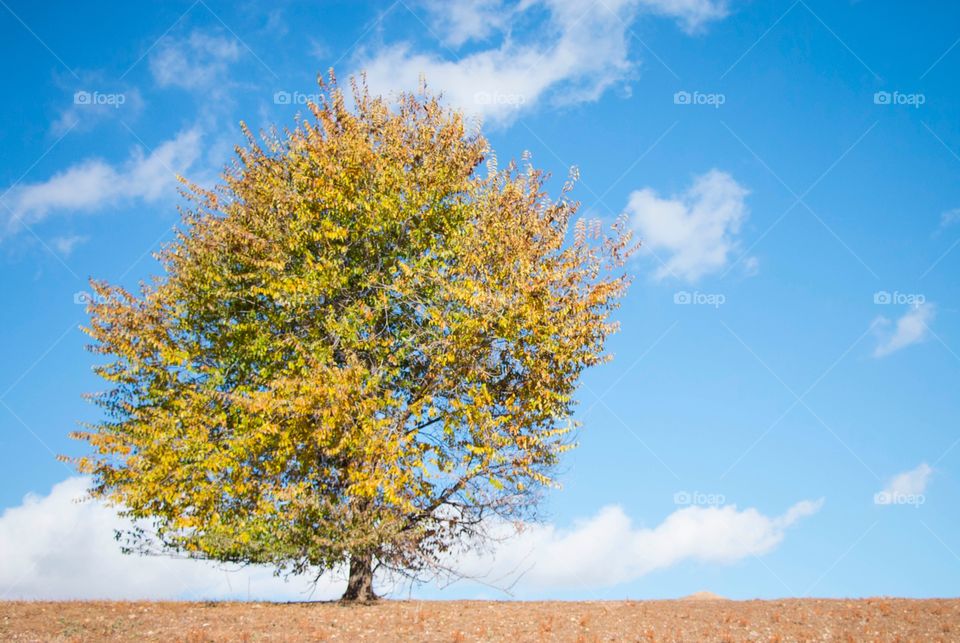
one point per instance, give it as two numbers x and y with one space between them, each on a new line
361 348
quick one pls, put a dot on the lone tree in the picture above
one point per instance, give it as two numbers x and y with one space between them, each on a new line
360 351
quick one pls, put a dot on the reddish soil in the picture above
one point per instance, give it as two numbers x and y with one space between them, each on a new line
876 619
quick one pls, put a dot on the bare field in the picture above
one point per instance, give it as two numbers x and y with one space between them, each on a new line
877 619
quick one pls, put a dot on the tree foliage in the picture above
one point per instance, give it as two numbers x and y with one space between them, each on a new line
361 347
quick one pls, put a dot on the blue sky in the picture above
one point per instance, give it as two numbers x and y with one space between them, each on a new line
780 418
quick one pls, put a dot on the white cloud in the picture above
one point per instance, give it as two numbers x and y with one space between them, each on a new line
56 547
567 51
460 22
698 229
692 14
196 62
94 183
907 488
949 218
909 483
92 104
910 329
607 549
66 243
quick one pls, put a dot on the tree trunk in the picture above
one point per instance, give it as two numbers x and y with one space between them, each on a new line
360 583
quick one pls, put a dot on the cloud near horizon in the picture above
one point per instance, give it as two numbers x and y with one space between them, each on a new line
56 547
59 547
607 549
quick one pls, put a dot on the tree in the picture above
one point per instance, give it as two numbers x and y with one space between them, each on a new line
359 352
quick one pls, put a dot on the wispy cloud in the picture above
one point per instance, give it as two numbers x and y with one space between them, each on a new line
949 218
906 488
66 243
910 482
693 15
94 183
199 61
913 327
460 22
91 103
566 51
697 229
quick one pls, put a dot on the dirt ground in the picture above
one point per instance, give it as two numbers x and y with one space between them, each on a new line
878 619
